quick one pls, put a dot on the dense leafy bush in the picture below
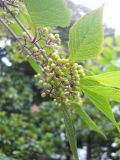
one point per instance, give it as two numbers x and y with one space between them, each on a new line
32 134
4 157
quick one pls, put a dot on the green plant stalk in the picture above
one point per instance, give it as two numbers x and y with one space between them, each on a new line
70 130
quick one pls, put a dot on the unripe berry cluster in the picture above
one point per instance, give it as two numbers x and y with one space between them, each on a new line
63 80
61 77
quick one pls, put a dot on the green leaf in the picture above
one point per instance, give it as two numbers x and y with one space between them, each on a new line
102 104
107 92
16 28
25 19
86 81
48 12
80 111
86 36
96 87
34 65
111 79
70 131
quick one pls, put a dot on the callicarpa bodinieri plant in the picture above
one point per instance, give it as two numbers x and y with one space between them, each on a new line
32 23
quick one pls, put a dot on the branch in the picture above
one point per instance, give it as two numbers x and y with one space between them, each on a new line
8 29
18 22
16 38
24 29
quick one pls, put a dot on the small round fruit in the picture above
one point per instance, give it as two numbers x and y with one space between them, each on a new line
24 34
35 49
50 60
45 30
53 65
57 36
45 84
44 51
51 36
41 82
43 95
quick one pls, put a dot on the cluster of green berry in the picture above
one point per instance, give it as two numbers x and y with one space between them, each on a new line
61 78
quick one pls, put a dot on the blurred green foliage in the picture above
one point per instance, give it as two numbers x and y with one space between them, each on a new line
29 128
4 157
32 134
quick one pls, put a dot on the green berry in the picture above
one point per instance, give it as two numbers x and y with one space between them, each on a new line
41 57
66 82
40 62
60 73
51 36
44 51
51 75
53 65
43 95
54 100
55 56
59 61
56 46
82 74
75 66
51 95
57 36
69 77
59 104
24 34
45 30
52 82
81 71
37 76
46 68
76 88
35 49
63 61
41 82
62 79
77 76
57 69
77 83
58 41
75 72
67 64
64 69
60 90
49 79
80 67
45 85
50 60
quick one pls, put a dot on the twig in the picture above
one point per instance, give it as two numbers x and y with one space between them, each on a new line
8 29
24 29
17 20
16 38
